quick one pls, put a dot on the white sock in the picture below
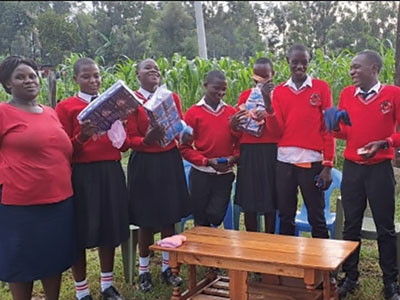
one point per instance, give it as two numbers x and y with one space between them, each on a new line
144 264
81 289
165 261
106 280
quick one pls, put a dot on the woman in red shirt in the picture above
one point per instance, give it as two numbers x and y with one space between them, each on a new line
36 209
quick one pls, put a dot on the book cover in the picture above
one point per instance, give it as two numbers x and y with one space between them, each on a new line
116 103
250 124
162 111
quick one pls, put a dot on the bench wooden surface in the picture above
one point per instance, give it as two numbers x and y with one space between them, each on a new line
240 252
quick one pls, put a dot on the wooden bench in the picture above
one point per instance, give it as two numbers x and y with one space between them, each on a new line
240 252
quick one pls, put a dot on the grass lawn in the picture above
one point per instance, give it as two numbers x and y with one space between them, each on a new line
370 280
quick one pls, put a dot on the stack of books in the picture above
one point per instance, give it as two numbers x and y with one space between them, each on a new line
116 103
162 112
250 124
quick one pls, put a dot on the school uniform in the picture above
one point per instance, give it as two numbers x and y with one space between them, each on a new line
36 208
212 138
100 193
158 195
255 184
373 118
303 149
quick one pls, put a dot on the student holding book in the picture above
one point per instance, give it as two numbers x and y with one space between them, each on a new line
37 237
211 152
101 202
156 179
255 184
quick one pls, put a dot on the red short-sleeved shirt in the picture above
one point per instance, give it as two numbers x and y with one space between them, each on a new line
35 157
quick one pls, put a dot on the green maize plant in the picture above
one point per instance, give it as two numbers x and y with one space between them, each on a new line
186 77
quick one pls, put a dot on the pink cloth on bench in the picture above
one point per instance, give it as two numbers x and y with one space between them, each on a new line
172 241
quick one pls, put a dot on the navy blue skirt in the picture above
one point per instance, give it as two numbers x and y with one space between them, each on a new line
157 189
37 241
255 183
101 204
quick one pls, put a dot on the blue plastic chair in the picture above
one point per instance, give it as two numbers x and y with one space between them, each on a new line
228 215
302 216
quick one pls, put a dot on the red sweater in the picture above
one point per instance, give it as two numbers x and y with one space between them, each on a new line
299 118
137 125
92 150
247 138
212 135
371 121
35 157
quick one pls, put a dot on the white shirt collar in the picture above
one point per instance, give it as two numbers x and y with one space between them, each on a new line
307 82
375 88
84 96
145 93
203 102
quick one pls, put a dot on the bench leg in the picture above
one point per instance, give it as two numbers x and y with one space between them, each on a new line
192 277
330 293
173 263
339 221
238 285
129 255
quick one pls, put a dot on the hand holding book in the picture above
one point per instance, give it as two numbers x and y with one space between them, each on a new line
154 133
116 103
88 129
163 113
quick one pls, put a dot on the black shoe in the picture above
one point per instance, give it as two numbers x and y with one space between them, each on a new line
88 297
170 278
346 285
145 282
391 291
111 294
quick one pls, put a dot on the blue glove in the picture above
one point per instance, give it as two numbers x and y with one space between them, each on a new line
333 116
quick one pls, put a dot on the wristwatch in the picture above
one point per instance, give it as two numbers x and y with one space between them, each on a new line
385 145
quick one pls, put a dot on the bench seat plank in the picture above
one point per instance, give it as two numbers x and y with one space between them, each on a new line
247 247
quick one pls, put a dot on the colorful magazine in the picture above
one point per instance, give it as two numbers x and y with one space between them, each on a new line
162 111
250 124
116 103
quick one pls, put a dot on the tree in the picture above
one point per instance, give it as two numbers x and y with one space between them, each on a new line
120 29
16 25
61 7
232 30
86 28
173 31
305 22
382 20
57 36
